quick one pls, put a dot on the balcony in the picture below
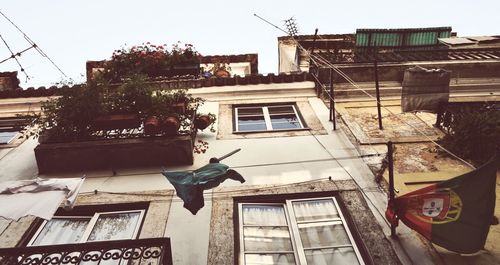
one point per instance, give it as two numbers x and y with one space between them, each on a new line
116 149
152 251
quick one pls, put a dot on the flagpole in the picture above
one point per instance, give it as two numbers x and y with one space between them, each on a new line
391 182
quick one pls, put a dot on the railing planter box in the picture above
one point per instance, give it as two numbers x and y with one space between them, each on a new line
116 121
114 153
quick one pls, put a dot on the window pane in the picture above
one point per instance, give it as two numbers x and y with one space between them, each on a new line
251 123
281 110
114 226
250 111
315 210
269 215
267 259
7 137
285 122
323 234
267 239
61 231
331 256
252 127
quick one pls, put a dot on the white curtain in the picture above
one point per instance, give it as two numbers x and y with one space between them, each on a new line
323 234
114 227
268 231
61 231
315 210
268 259
340 256
326 231
269 215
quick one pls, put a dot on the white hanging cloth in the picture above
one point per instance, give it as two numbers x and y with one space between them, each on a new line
37 197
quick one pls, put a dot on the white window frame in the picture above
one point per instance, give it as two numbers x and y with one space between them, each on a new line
298 248
91 224
267 117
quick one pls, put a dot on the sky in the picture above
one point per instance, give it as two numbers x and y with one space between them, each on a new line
72 32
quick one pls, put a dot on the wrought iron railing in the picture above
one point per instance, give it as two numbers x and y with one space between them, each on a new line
153 251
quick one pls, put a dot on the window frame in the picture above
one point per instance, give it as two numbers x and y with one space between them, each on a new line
293 227
267 117
90 226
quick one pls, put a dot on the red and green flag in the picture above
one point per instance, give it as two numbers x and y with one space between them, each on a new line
455 214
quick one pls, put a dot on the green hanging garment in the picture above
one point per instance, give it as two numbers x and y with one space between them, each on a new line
190 185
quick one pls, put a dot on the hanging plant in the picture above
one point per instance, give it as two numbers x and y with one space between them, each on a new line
202 121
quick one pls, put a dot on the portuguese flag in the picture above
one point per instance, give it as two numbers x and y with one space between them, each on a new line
455 214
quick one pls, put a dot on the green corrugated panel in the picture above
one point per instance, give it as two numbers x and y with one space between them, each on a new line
394 37
444 34
362 39
386 39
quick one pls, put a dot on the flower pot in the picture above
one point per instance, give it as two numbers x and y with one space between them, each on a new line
202 122
152 125
179 107
171 125
116 122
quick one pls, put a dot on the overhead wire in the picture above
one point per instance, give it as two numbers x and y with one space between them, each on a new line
13 56
330 97
318 58
33 44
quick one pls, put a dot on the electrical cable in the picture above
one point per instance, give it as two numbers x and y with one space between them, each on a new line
13 56
331 66
34 45
315 58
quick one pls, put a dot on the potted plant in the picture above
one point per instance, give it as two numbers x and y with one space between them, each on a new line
202 121
121 105
184 60
153 61
167 110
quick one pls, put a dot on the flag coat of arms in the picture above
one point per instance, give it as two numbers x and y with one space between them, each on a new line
455 214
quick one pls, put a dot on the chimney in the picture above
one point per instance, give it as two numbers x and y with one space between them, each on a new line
8 81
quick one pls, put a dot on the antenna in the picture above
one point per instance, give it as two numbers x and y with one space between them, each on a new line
33 45
291 26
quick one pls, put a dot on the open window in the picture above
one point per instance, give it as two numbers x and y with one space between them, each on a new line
271 117
303 231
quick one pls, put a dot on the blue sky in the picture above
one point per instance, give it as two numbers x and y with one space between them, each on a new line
72 32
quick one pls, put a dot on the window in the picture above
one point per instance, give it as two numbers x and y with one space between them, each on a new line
307 231
267 118
7 137
101 226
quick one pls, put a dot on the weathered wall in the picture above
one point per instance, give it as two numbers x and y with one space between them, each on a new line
221 244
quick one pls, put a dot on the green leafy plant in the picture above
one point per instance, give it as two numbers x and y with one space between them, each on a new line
473 133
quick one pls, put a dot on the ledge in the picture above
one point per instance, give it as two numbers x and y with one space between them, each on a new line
114 153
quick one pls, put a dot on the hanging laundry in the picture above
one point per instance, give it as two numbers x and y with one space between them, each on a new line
37 197
190 185
424 89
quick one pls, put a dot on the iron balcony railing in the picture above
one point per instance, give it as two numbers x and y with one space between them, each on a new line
153 251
